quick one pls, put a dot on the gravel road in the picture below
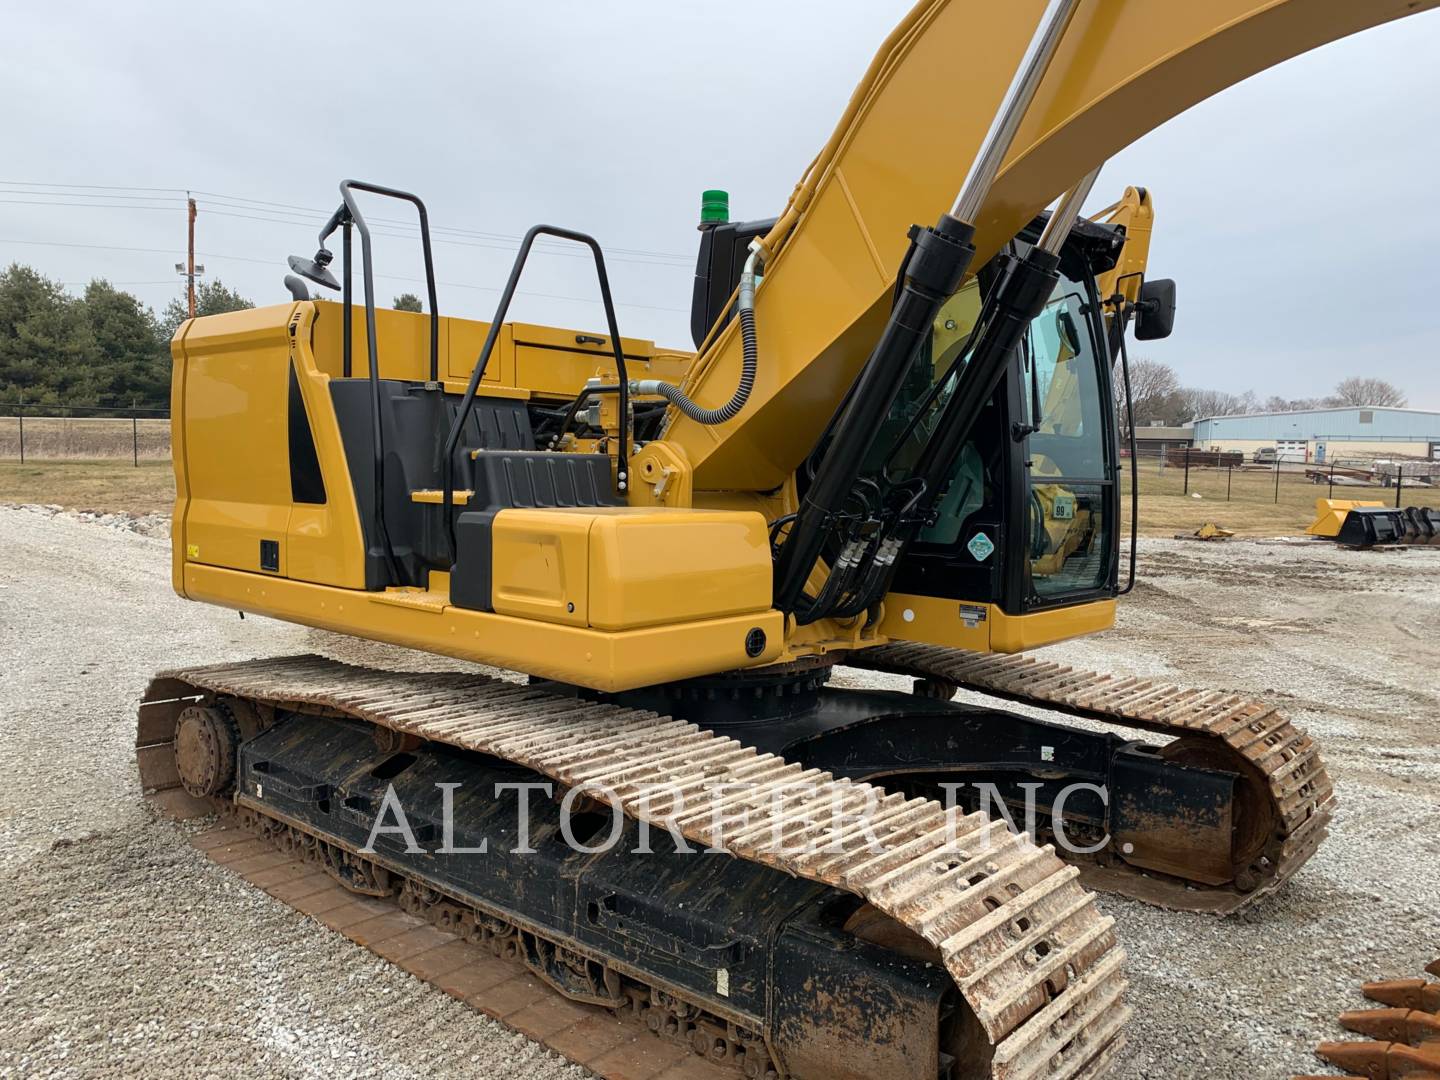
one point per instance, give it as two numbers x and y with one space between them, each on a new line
124 951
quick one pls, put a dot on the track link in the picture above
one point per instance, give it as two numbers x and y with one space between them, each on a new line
1033 958
1284 761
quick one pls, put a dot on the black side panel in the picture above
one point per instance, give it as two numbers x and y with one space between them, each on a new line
471 580
717 271
503 480
307 485
503 425
414 423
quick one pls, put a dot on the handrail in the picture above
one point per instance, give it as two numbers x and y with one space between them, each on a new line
346 216
346 187
452 440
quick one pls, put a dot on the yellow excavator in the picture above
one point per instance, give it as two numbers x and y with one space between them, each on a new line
893 448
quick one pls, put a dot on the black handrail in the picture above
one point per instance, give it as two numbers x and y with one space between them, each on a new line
345 216
346 187
1120 320
347 300
452 440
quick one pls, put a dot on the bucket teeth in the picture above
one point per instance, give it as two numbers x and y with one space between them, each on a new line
1383 1061
1405 994
1407 1035
1394 1025
1433 968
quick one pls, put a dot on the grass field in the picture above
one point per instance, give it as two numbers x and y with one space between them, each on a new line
1244 501
85 438
1165 509
109 486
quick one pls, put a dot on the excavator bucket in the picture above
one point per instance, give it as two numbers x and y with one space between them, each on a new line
1383 1061
1365 524
1405 1036
1330 516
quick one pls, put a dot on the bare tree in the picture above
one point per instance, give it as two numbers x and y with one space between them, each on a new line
1154 387
1359 390
1275 403
1199 404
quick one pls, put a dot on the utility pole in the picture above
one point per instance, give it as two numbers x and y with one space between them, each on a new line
188 268
190 257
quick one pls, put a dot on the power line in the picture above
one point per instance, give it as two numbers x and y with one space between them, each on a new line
385 230
386 277
243 202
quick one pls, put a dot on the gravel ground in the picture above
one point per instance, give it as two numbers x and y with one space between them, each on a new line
125 951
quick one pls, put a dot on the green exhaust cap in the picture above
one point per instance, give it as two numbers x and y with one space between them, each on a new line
714 207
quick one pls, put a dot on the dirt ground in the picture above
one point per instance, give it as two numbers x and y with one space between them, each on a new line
125 952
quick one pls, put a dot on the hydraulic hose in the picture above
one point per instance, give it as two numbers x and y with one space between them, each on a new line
745 303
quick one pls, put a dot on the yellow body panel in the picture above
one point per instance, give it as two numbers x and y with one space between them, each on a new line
541 566
985 628
622 568
648 567
231 448
540 360
237 448
603 660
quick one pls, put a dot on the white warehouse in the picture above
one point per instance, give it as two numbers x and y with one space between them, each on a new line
1321 435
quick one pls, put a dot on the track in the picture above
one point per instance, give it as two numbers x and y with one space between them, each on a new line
1291 796
1036 963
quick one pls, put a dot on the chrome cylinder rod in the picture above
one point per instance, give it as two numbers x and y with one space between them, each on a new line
1063 219
1018 97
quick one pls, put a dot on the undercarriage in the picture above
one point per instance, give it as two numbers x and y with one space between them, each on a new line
800 881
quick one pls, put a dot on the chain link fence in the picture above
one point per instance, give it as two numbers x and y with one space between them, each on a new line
31 432
1230 476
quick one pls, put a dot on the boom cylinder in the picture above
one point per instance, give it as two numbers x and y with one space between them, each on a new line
935 267
1013 106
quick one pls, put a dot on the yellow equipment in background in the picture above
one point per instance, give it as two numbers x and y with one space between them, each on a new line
1368 524
1330 515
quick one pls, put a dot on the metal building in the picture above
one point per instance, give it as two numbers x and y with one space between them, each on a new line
1321 435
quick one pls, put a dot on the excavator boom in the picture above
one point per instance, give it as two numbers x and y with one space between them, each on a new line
902 151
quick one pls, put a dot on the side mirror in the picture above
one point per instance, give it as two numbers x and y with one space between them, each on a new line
1155 313
315 269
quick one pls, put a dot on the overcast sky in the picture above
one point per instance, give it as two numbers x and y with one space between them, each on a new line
1297 211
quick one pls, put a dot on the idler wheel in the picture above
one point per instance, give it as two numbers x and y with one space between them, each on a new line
205 741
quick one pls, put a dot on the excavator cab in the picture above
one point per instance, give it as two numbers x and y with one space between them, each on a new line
1028 519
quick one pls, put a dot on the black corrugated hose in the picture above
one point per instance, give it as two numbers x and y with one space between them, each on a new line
751 360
